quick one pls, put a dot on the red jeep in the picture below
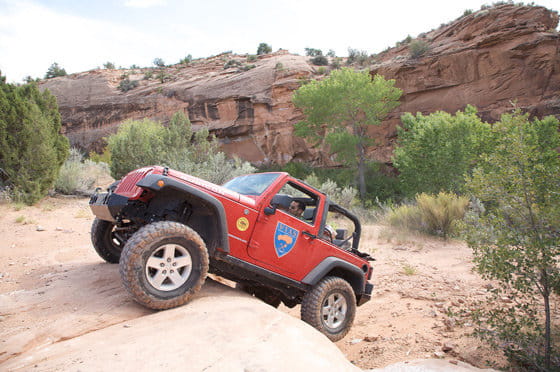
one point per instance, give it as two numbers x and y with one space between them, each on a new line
168 230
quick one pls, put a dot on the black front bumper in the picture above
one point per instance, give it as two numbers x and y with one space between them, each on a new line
107 206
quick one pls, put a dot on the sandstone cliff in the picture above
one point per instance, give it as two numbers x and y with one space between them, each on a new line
489 59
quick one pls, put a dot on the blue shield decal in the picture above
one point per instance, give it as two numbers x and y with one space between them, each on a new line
284 239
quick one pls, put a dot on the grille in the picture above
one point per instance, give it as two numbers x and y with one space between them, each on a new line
127 187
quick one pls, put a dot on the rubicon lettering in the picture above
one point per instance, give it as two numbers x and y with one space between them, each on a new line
284 239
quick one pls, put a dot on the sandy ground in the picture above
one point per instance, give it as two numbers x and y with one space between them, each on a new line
54 287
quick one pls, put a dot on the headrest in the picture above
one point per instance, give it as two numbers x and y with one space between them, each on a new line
308 214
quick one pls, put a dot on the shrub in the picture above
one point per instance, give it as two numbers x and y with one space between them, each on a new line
279 66
187 60
435 152
159 62
5 195
320 61
126 84
432 214
145 142
439 212
215 167
232 63
357 56
109 65
247 67
467 12
78 176
104 157
344 196
148 75
405 216
331 53
322 70
162 76
54 71
405 41
32 150
336 63
251 58
311 52
418 48
264 48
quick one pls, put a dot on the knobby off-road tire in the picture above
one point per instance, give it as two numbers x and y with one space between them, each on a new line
164 264
263 294
107 246
330 307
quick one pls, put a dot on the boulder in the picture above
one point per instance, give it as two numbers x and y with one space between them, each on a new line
220 330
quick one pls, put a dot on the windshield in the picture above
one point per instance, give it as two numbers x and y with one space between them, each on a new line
252 184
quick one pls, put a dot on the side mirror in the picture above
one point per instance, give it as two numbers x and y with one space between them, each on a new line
269 210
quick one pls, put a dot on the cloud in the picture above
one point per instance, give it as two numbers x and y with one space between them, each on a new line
144 3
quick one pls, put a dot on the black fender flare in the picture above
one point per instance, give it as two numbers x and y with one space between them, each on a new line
151 182
354 275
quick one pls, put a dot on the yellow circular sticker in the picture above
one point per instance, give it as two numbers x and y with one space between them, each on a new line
242 224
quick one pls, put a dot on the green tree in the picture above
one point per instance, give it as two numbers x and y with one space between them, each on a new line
264 48
187 60
339 109
54 71
312 52
517 240
159 62
109 65
434 152
32 150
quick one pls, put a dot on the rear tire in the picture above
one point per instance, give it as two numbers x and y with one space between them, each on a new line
105 242
164 264
330 307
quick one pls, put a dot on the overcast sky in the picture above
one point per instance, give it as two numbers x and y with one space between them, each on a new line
82 35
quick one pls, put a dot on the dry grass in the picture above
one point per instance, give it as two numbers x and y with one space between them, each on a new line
409 270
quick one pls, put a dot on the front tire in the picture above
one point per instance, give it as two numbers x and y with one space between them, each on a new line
164 264
330 307
105 241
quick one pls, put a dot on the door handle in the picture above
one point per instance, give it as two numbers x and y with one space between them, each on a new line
307 233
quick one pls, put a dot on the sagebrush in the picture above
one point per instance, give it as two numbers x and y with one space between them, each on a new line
145 142
79 176
432 214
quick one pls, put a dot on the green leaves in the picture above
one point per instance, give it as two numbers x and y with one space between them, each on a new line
144 142
54 71
435 152
518 180
32 149
339 109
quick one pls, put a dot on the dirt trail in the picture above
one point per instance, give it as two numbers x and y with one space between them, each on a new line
54 287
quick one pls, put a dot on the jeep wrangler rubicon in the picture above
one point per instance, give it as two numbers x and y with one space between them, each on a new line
168 230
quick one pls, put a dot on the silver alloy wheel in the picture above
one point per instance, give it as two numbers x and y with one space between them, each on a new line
334 310
168 267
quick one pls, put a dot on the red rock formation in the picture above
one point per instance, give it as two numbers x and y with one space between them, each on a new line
488 59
